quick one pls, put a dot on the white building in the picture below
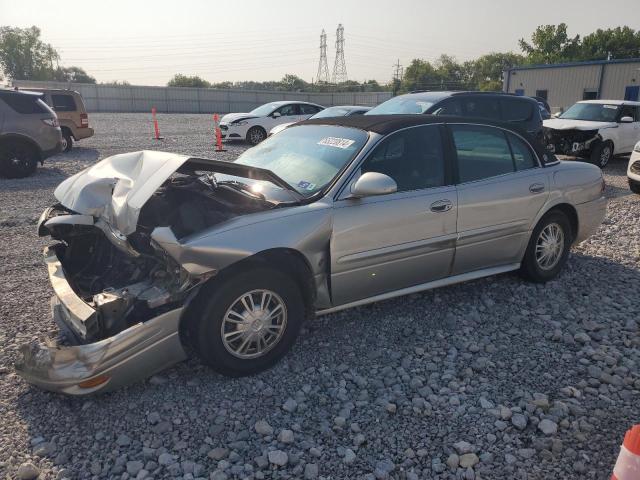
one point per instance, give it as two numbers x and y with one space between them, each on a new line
564 84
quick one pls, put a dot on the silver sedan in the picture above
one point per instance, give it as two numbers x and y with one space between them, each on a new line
158 254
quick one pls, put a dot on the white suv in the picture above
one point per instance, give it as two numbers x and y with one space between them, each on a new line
633 172
595 129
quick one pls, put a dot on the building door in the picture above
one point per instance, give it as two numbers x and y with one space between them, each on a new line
632 92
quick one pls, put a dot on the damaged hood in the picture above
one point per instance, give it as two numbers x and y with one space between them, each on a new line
116 188
567 124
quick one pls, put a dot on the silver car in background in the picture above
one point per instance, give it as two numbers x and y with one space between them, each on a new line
160 253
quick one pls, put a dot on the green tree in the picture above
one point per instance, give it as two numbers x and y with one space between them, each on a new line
419 75
293 83
23 56
619 42
73 74
551 44
180 80
485 72
116 83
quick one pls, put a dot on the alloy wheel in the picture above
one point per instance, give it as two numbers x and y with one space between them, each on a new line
254 324
549 246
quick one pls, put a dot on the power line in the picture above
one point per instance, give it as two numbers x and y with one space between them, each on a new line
339 67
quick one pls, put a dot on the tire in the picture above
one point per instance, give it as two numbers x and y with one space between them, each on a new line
255 135
67 141
210 323
601 155
634 186
18 159
537 267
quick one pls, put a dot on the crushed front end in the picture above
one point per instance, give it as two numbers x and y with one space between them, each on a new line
118 295
573 142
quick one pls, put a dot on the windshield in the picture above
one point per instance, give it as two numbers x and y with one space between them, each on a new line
593 112
264 110
332 112
307 157
400 105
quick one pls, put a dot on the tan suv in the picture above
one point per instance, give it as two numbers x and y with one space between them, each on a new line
72 115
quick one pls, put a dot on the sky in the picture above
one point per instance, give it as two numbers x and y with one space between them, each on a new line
147 42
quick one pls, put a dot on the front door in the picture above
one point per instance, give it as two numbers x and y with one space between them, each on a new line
628 132
389 242
501 189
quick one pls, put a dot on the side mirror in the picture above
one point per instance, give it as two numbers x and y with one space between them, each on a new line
276 114
626 119
373 183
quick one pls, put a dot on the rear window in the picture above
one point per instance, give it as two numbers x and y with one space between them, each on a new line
63 103
25 104
514 110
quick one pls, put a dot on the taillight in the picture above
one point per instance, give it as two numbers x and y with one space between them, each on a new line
84 120
52 122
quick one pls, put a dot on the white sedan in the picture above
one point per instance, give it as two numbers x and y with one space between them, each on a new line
253 126
633 171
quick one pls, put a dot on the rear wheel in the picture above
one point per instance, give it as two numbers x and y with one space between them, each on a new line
255 135
17 159
601 154
248 322
548 248
67 141
634 186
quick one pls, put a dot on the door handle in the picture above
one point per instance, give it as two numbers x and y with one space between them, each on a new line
441 206
536 188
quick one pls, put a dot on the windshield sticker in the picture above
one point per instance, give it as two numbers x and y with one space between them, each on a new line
306 185
613 107
336 142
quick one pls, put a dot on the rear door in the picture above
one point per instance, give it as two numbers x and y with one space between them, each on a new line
501 188
389 242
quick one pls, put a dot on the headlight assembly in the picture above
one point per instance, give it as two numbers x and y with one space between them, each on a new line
240 123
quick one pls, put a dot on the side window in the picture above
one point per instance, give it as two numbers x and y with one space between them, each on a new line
628 111
63 103
308 109
481 107
25 104
515 110
287 110
413 158
448 107
523 157
482 152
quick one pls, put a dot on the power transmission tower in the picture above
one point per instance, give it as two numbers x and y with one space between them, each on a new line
339 67
398 72
323 68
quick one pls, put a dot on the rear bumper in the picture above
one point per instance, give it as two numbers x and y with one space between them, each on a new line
131 355
84 132
590 217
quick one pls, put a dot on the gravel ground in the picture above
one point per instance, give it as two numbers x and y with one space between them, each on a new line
495 378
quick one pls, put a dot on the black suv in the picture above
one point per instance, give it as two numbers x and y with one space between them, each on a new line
523 111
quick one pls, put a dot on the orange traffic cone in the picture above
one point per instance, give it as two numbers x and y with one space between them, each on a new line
628 463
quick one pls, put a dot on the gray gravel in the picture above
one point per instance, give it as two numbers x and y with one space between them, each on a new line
495 378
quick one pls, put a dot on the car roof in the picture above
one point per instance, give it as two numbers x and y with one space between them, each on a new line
288 102
612 102
67 91
437 95
351 107
7 91
385 124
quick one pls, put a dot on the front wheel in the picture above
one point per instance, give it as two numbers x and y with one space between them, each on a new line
601 154
548 248
248 322
255 135
17 160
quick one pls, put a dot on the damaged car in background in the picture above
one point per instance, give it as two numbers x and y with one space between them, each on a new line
157 255
595 130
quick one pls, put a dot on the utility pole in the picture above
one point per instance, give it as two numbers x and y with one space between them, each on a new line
339 67
323 67
398 72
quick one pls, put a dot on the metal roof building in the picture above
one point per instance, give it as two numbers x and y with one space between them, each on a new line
563 84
